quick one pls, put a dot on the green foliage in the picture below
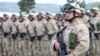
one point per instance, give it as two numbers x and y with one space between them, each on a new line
70 1
82 4
95 4
26 5
99 6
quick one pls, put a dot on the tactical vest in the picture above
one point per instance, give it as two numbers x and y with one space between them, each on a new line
98 26
73 41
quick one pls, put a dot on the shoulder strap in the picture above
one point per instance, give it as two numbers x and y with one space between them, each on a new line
63 29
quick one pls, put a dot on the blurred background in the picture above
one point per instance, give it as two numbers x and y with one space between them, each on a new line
31 6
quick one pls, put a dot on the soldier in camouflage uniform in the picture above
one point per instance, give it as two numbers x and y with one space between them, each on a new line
22 31
51 31
95 20
1 38
31 33
83 15
40 34
14 35
76 34
6 31
60 21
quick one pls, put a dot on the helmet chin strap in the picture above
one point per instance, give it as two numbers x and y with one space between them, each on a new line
70 20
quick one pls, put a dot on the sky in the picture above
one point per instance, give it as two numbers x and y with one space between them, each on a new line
58 2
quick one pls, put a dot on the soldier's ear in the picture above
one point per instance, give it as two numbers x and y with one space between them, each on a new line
75 14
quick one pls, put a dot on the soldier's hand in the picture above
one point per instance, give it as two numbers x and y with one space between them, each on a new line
68 51
57 46
88 25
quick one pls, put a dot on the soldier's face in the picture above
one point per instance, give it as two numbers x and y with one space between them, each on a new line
39 17
81 15
21 20
6 18
13 19
55 17
60 17
31 19
93 14
47 18
69 15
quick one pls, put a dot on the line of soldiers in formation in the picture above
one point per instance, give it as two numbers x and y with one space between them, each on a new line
36 35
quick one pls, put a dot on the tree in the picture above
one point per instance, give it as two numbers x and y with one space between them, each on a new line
71 1
99 6
26 5
82 4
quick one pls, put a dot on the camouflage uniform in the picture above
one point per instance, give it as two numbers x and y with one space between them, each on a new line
82 32
52 30
7 38
85 19
32 40
40 32
1 37
14 39
22 30
94 21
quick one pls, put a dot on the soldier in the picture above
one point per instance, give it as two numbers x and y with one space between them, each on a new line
1 37
43 17
95 21
6 25
75 34
14 35
13 26
31 33
56 17
1 22
60 21
22 31
6 31
83 16
40 34
51 30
